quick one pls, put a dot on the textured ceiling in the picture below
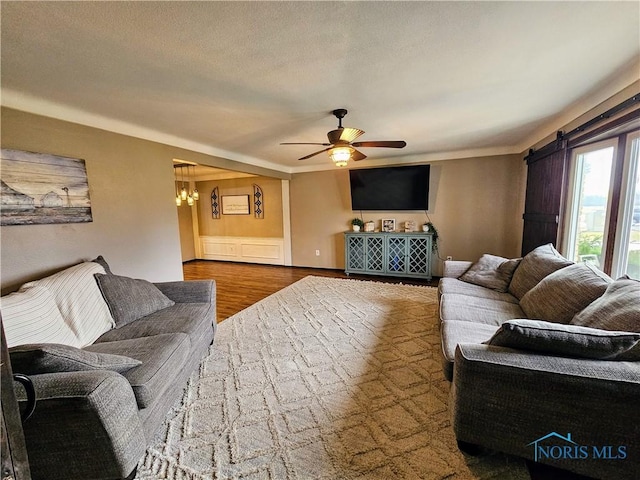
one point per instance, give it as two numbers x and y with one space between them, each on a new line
235 79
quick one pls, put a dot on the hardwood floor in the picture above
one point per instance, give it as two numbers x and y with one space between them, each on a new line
239 285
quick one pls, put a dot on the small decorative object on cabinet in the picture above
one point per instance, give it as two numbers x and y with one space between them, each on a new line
389 253
388 224
431 228
357 224
369 226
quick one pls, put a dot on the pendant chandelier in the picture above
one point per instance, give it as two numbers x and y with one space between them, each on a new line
182 193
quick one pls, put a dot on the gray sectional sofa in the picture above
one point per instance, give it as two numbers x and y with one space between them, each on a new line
100 405
544 359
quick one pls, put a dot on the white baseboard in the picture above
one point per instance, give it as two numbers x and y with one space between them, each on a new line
243 249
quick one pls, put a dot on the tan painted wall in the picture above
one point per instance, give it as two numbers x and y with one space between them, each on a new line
131 185
476 204
242 225
185 225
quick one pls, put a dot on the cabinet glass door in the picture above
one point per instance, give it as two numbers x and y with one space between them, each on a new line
397 254
419 255
375 254
355 253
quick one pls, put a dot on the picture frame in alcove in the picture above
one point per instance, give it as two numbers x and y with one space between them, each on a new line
235 205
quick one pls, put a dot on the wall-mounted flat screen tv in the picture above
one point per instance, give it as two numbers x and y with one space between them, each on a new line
390 188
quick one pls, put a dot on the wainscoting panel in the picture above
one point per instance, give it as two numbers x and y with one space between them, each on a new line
243 249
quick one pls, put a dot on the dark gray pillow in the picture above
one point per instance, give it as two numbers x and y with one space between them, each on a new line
130 299
563 293
491 272
617 309
101 261
536 265
37 358
567 340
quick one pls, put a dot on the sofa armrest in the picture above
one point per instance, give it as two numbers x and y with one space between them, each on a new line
506 399
85 425
455 268
192 291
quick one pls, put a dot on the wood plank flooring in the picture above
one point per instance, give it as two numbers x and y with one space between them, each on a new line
239 285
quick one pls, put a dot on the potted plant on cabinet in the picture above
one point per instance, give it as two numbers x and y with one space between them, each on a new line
357 224
431 228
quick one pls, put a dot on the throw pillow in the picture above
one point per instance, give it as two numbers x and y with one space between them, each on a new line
491 272
562 294
130 299
79 300
32 316
567 340
35 359
101 261
536 265
618 309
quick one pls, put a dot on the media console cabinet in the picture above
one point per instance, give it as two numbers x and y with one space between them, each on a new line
389 253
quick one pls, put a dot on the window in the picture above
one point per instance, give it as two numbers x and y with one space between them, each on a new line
592 172
626 256
603 208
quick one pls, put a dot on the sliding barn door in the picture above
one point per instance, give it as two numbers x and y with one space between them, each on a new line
543 204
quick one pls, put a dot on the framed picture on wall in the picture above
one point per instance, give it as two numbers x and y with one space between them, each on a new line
235 205
388 224
40 188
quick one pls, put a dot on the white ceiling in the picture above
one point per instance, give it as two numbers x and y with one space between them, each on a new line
234 79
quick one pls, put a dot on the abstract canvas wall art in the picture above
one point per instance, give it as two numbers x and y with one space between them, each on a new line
39 188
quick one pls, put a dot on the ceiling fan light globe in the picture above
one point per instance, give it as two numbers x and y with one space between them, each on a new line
340 155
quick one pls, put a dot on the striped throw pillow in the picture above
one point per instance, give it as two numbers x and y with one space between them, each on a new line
32 316
79 300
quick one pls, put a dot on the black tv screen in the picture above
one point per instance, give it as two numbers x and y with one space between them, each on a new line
390 188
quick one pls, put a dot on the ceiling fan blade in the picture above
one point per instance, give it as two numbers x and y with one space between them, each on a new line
314 154
356 155
387 144
298 143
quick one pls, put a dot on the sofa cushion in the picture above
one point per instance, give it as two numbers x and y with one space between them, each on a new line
617 309
34 359
130 299
162 356
536 265
79 300
32 316
455 332
492 272
478 310
458 287
563 293
567 340
194 319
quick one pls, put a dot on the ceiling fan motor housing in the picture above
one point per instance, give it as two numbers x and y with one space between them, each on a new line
340 113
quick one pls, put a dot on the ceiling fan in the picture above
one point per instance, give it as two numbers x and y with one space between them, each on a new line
341 146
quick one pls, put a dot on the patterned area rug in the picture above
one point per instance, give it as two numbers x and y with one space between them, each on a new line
325 379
